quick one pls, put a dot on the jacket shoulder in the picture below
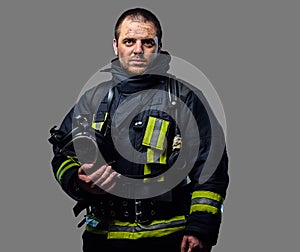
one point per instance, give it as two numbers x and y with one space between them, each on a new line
90 99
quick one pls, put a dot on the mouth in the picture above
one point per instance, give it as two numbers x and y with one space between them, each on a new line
138 62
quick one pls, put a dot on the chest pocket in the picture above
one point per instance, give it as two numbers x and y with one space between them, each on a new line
155 140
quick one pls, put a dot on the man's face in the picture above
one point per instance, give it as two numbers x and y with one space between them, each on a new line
136 45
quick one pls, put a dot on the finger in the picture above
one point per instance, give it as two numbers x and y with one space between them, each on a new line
86 167
183 244
84 178
109 179
106 173
106 181
100 175
82 169
195 242
95 175
111 187
82 174
200 244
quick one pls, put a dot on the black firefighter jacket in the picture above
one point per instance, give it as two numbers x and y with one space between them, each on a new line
141 119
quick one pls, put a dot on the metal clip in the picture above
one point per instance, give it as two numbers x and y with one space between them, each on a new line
139 213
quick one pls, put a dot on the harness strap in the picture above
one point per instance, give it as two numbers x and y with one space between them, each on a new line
106 123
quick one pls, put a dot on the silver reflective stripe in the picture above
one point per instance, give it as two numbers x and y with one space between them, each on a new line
156 132
207 201
141 228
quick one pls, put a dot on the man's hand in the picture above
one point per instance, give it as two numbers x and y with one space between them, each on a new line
96 182
189 243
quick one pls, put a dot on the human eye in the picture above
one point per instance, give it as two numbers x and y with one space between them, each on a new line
128 42
148 43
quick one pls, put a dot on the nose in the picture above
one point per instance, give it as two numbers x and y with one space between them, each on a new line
138 48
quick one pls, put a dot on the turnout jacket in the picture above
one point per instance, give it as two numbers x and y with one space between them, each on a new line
194 205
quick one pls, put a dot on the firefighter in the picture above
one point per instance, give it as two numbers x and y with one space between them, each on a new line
186 216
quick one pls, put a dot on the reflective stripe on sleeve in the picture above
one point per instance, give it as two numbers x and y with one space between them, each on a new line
65 166
206 201
207 194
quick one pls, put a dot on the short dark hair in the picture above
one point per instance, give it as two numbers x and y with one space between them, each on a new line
137 14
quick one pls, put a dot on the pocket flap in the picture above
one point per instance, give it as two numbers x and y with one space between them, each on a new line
156 132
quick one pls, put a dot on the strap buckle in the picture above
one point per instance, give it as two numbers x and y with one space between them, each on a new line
139 216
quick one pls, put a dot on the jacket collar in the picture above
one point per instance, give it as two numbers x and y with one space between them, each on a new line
127 83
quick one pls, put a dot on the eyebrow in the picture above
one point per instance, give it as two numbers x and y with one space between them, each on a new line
125 39
133 39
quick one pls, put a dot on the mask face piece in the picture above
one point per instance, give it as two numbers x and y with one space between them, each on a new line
84 147
80 141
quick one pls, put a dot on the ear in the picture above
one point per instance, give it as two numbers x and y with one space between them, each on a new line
159 47
115 46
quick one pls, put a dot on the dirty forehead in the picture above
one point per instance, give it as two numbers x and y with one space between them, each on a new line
132 27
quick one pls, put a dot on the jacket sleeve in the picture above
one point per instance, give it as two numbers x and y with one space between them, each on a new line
65 167
209 173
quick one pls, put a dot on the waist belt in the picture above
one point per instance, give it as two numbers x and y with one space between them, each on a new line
141 211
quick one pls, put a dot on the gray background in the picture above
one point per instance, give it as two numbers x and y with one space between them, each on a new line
249 50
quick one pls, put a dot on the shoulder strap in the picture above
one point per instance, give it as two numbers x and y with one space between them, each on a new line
106 123
95 98
172 90
173 97
95 103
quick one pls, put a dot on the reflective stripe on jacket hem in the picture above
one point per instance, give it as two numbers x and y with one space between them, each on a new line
126 230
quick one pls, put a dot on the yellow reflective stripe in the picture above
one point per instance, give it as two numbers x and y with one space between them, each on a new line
152 158
149 131
101 123
94 125
207 194
61 167
127 230
98 125
144 234
105 117
157 228
161 179
65 169
147 170
153 223
163 158
155 133
162 135
204 208
150 155
73 158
